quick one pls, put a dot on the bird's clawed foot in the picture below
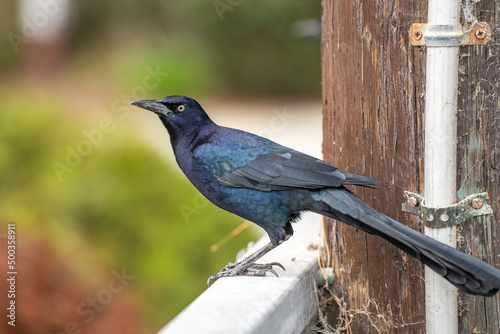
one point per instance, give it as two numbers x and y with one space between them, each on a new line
245 269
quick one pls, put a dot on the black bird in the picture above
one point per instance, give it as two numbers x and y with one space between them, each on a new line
271 185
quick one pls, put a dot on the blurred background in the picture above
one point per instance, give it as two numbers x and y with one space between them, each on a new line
110 236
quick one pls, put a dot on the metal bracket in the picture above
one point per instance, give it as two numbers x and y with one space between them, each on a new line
471 206
422 34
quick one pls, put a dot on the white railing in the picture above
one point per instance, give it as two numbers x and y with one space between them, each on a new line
284 304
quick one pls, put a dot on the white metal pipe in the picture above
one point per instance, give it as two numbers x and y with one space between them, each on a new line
440 166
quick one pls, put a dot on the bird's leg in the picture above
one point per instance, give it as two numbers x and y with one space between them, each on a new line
248 267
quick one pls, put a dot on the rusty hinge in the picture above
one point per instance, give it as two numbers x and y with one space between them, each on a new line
478 33
471 206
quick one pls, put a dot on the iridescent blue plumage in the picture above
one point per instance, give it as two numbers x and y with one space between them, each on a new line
270 185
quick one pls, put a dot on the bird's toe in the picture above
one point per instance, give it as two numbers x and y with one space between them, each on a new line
254 269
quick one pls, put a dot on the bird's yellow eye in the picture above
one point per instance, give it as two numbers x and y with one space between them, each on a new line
181 108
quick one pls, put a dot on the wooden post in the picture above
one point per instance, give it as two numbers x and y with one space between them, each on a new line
373 104
478 162
373 96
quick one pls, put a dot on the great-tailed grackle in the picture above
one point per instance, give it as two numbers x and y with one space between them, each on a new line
270 185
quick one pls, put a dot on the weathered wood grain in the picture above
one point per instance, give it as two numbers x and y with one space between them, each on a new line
479 163
373 106
373 96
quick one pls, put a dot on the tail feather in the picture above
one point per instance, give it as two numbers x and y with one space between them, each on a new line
463 271
358 180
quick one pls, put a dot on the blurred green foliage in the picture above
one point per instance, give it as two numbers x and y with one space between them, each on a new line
256 51
223 47
119 207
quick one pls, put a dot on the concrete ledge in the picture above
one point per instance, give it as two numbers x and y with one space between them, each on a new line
269 304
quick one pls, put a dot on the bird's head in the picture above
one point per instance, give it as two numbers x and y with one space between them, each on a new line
181 115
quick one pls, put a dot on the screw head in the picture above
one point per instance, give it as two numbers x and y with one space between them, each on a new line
480 33
418 35
412 201
477 203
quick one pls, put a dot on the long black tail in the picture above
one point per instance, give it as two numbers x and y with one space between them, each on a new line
463 271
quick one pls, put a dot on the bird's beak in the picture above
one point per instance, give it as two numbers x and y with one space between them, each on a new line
152 105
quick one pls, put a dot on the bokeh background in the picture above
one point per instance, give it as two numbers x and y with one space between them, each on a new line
110 236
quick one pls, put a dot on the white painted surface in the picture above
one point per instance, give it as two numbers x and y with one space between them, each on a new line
440 164
270 304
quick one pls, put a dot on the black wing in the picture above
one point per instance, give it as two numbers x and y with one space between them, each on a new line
286 169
